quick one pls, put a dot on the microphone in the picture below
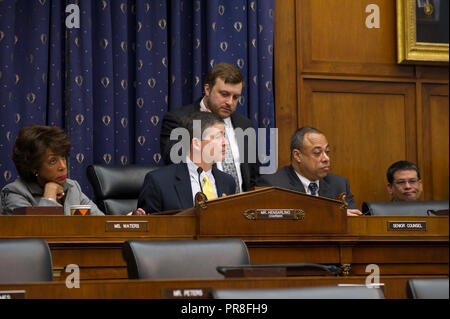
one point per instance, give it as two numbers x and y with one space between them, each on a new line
199 171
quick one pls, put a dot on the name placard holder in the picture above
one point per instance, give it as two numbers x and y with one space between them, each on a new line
12 294
187 293
406 226
128 226
274 214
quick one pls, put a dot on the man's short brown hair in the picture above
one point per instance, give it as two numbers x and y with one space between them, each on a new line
207 119
227 72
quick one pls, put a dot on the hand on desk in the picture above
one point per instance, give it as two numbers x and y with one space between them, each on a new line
353 212
137 212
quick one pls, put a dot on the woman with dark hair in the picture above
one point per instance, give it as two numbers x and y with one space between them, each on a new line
39 155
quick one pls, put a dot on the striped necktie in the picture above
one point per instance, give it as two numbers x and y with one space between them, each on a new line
228 165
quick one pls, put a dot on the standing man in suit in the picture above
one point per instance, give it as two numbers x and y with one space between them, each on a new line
309 169
404 183
223 87
174 187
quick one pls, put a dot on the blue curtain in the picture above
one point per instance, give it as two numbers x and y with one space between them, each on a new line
109 82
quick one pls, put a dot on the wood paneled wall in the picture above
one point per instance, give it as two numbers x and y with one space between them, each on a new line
335 74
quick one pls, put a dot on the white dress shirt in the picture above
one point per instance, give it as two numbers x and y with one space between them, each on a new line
193 173
306 183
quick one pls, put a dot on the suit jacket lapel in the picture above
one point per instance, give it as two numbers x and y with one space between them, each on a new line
324 188
183 186
220 186
295 182
196 105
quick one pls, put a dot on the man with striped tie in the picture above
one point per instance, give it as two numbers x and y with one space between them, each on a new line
174 187
309 169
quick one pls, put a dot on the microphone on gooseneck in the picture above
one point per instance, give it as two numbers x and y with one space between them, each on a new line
199 171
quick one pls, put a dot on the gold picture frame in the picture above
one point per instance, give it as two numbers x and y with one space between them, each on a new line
409 50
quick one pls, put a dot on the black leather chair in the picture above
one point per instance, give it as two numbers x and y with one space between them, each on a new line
25 260
326 292
417 208
182 258
427 288
116 188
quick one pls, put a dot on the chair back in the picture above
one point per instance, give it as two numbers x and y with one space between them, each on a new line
416 208
116 188
331 292
433 288
25 260
182 258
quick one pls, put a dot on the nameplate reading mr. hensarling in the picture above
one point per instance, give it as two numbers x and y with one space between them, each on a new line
256 214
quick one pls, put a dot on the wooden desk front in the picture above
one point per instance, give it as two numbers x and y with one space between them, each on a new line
86 242
394 286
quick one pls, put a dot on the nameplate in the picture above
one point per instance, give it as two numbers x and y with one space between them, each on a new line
400 226
274 214
12 294
128 226
186 293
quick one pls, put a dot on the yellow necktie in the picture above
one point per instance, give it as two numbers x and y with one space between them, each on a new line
208 189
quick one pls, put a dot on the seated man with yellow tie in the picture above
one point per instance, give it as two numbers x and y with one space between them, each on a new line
174 187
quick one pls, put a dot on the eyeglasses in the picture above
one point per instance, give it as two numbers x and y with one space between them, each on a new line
402 182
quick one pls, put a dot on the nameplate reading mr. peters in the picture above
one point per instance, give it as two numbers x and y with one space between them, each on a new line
128 226
187 293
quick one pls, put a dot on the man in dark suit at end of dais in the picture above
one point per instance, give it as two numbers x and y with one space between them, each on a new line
309 169
175 186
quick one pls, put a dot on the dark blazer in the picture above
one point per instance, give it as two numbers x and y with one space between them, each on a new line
169 188
171 120
330 186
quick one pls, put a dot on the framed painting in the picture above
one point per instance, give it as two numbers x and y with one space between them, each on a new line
422 31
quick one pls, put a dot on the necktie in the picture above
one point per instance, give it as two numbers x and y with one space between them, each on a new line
313 188
228 165
208 189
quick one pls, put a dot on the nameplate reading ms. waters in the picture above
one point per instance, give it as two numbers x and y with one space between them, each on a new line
128 226
401 226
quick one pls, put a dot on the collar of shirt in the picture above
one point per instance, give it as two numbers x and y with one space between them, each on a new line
203 107
306 183
193 174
